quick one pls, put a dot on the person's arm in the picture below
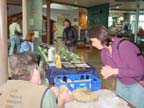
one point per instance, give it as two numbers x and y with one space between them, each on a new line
31 46
75 34
18 28
128 54
25 47
106 59
10 31
22 47
64 35
103 57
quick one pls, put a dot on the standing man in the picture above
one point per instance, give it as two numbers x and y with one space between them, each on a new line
70 35
15 32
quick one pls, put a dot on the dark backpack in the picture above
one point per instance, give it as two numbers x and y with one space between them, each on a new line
141 82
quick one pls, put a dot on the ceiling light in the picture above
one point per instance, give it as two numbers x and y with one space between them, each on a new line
117 7
60 6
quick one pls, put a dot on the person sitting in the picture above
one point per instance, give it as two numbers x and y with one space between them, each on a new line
27 44
25 91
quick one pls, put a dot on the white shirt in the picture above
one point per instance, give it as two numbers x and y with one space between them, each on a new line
14 26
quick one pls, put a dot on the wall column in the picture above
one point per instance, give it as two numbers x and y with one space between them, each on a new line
25 17
48 21
137 20
3 42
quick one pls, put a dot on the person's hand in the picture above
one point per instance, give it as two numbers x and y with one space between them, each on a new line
65 95
108 71
63 42
55 90
68 42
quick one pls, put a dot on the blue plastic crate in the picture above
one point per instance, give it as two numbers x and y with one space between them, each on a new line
79 81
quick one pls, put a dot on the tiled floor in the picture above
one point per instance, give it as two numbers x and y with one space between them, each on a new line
92 56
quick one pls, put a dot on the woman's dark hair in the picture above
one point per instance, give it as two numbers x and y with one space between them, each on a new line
67 20
101 33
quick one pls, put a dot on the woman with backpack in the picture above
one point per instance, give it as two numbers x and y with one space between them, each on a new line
121 58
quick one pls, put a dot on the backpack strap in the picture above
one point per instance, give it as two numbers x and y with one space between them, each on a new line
121 42
138 54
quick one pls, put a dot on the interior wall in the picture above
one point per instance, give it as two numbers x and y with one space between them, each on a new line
98 15
55 13
60 15
13 9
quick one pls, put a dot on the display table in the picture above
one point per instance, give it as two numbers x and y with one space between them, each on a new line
106 99
129 104
52 71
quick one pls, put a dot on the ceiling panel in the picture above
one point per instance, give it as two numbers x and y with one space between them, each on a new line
85 3
14 2
114 4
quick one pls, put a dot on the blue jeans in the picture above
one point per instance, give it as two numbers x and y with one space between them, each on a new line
14 40
132 93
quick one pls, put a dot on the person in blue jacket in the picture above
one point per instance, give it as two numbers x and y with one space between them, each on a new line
27 44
